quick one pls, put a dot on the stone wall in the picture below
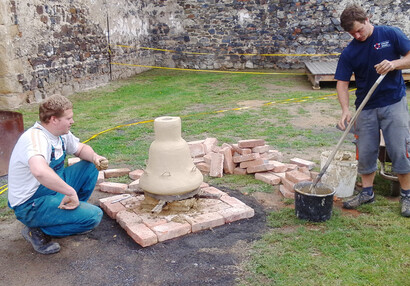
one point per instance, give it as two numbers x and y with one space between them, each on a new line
51 46
222 29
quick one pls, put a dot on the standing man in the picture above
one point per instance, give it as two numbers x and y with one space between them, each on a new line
376 50
47 198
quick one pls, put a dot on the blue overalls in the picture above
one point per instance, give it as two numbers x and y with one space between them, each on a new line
42 211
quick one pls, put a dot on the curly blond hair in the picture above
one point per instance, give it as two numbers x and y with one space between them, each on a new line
54 105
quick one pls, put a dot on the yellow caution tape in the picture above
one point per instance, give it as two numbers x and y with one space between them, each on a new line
3 189
233 54
210 71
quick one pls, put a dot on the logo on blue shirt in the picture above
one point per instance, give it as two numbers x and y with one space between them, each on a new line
382 45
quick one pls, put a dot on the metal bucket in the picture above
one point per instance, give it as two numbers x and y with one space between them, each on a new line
11 127
315 206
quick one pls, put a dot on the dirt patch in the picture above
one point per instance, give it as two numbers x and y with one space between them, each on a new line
271 201
314 115
108 256
251 103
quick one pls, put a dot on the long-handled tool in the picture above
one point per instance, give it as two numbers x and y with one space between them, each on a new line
352 121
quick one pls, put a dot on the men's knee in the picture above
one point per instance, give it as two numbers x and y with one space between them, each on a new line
95 217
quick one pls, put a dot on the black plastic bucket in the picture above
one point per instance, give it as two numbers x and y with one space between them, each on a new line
313 205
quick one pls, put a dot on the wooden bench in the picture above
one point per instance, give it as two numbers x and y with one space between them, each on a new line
325 71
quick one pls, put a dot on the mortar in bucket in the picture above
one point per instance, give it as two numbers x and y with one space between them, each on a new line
313 206
341 173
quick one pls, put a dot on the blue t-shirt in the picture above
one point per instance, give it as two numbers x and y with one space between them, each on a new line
386 43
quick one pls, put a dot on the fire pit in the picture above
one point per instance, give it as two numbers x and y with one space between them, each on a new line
175 200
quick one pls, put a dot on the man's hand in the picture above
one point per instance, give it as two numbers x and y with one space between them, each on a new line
384 67
69 202
101 163
344 120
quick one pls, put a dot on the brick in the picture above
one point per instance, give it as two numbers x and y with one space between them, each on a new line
241 151
228 164
215 149
152 222
112 209
204 185
203 167
288 184
303 163
252 163
198 160
112 198
260 168
135 185
226 145
296 177
113 188
209 142
247 157
205 221
291 167
286 193
280 175
207 158
216 168
171 230
100 177
251 143
125 219
272 155
268 178
136 174
304 170
72 161
260 149
197 149
234 202
142 235
234 214
279 167
114 173
239 171
212 190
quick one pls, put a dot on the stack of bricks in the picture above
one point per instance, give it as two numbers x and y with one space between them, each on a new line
251 156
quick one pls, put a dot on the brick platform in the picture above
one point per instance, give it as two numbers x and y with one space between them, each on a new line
148 228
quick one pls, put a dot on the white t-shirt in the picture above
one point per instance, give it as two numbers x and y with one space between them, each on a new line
35 141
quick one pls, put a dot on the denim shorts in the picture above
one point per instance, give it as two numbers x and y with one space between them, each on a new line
393 121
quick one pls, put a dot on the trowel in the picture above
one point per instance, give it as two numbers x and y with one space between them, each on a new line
346 131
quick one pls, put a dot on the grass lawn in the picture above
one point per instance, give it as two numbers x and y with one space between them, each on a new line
370 248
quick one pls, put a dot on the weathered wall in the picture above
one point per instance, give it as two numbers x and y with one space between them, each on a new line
50 46
223 27
61 45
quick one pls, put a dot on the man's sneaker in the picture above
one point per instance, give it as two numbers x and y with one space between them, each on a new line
405 206
40 241
360 199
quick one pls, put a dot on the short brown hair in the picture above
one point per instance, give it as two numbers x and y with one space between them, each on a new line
351 14
54 105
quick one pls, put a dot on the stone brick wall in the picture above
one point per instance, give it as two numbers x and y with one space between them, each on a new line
222 28
51 46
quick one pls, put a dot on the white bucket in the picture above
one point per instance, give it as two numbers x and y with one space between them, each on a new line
341 173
